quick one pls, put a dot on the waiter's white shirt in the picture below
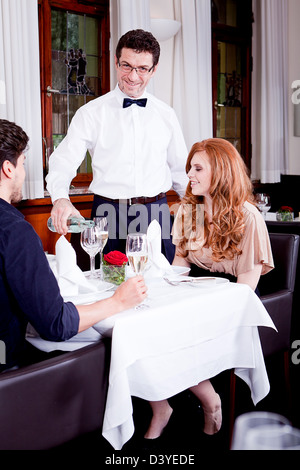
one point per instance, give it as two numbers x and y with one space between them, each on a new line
135 151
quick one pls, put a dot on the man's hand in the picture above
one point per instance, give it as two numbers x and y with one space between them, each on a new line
131 293
128 295
61 211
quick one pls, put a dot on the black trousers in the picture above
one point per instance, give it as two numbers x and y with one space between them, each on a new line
124 219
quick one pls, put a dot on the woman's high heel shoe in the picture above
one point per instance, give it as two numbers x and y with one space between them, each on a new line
213 420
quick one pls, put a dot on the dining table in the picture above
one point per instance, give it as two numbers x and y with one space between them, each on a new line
189 333
186 333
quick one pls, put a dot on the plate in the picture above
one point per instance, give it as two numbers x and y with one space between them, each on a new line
90 297
180 270
208 283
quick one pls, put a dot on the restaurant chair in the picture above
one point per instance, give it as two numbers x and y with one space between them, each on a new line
276 290
52 402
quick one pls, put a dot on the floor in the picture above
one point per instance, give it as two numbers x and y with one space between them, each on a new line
183 438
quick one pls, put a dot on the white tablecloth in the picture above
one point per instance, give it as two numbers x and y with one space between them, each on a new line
188 335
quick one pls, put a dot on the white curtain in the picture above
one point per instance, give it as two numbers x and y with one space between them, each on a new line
126 15
270 90
192 88
20 83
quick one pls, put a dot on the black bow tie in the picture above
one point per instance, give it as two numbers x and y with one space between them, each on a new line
128 102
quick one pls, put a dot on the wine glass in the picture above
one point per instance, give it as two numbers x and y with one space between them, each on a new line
263 203
273 437
137 254
91 242
101 223
254 420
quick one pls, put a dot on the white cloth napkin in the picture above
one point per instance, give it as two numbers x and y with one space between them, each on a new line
159 265
72 282
71 279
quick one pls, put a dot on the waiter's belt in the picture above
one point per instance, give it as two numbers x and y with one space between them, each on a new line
135 200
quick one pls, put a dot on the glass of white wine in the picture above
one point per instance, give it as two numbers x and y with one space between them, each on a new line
137 254
102 225
91 242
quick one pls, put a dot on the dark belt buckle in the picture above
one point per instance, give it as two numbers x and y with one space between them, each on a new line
134 201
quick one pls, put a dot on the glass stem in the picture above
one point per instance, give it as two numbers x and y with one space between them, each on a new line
93 274
100 267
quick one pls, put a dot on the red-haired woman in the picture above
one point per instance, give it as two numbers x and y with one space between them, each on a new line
219 229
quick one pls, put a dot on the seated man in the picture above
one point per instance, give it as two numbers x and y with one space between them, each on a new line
28 289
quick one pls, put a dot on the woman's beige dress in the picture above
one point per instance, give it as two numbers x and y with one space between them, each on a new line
255 246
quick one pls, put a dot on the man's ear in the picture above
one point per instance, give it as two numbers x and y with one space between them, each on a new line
154 70
8 169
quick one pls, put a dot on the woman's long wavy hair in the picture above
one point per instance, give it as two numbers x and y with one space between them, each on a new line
230 187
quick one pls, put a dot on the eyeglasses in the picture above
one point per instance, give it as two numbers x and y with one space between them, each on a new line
126 68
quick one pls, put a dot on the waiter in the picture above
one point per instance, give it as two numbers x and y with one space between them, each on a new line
137 149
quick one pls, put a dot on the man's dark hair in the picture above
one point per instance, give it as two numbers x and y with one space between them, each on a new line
13 142
140 41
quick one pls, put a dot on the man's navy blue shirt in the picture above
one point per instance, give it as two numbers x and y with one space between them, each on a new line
28 289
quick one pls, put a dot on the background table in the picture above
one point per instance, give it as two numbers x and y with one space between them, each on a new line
188 335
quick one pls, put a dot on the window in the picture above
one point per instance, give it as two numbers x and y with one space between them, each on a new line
232 62
74 54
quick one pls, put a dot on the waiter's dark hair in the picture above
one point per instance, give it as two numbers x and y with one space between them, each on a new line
140 41
13 142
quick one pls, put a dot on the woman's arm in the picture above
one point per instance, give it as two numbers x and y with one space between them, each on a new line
180 261
251 277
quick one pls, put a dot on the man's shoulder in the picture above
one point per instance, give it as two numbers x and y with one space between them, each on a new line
10 216
98 102
9 211
161 105
158 102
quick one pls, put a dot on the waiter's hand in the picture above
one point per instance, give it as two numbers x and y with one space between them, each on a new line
61 211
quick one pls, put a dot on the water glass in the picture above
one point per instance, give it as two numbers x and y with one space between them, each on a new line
91 242
263 201
248 422
274 437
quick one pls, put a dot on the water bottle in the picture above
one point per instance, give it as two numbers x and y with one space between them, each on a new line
75 224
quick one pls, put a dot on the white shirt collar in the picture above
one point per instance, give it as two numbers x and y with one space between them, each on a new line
120 95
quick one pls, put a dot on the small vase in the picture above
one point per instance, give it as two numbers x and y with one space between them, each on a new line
113 273
284 216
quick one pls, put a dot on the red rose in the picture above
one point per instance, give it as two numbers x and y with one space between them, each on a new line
286 209
115 257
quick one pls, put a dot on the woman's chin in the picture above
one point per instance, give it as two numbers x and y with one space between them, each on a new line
196 192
